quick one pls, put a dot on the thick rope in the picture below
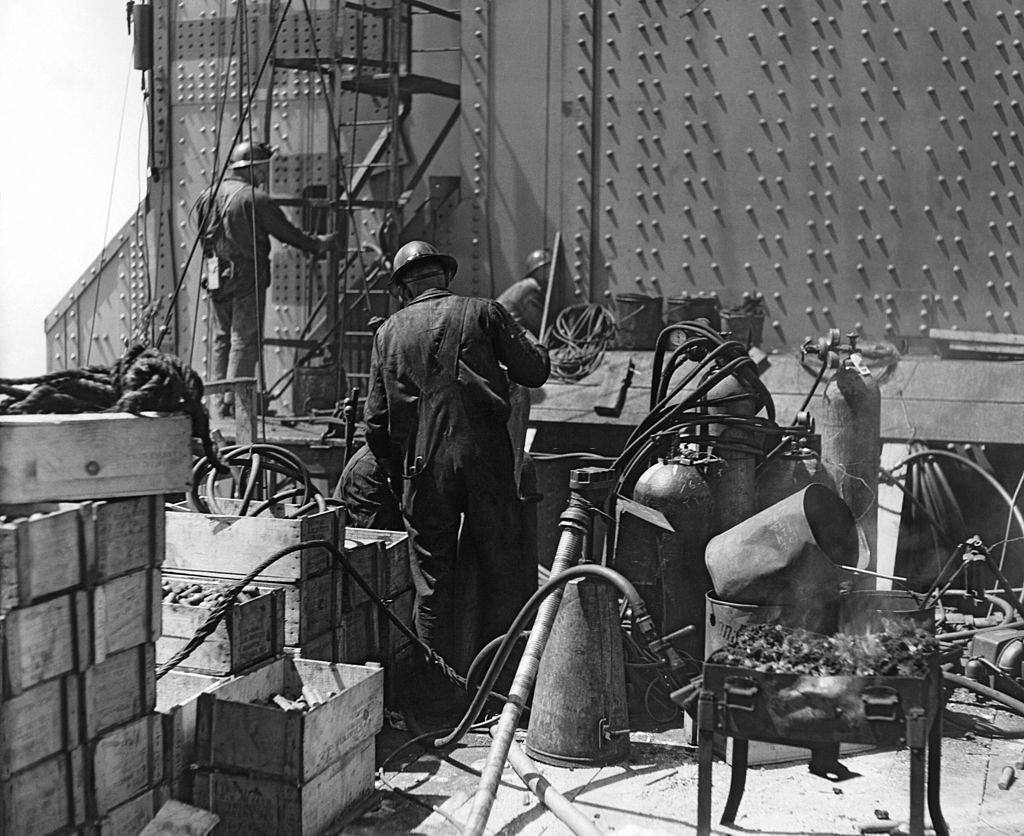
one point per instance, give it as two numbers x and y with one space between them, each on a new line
143 379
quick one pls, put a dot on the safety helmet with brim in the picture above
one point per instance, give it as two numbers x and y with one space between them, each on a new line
247 154
418 254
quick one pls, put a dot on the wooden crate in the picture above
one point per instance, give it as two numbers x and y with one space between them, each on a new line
72 457
396 575
176 702
251 632
59 546
129 818
402 606
367 558
40 641
234 546
308 604
45 798
256 806
357 636
319 648
125 762
293 746
39 723
119 689
122 613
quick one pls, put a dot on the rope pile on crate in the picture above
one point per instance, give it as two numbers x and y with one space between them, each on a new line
143 379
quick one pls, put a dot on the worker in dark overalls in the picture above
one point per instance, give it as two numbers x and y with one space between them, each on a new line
370 501
436 415
525 299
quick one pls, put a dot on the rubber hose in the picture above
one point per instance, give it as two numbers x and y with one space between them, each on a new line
968 634
992 694
560 806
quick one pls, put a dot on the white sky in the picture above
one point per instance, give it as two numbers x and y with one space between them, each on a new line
63 70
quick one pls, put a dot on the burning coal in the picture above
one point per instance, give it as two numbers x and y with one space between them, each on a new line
769 648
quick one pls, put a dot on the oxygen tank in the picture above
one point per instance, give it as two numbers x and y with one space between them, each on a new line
850 425
678 489
795 467
732 483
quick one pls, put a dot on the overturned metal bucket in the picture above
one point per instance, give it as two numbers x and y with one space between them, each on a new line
786 554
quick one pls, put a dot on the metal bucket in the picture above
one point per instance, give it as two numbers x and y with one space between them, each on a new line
579 712
638 320
864 611
745 328
787 553
689 308
724 619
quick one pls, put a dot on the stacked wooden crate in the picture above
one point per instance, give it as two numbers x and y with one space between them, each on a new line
304 770
223 549
363 631
81 747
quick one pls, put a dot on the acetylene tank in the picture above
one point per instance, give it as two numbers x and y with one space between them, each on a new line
850 425
678 489
796 466
733 489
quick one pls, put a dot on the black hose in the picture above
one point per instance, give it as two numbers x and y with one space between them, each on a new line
991 693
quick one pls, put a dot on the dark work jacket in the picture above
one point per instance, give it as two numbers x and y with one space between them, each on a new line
525 302
369 501
239 234
437 391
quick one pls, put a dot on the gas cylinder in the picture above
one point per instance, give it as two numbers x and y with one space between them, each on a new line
678 489
850 426
732 482
795 467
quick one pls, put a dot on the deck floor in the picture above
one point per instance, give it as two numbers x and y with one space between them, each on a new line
655 792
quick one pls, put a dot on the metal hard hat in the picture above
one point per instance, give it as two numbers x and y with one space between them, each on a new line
536 260
417 252
248 153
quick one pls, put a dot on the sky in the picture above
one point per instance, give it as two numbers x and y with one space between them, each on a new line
66 183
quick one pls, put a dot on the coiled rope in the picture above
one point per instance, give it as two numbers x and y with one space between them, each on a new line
143 379
578 340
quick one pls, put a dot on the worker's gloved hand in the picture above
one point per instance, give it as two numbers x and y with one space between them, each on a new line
326 243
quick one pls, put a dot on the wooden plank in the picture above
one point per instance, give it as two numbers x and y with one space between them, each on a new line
40 553
255 806
251 632
890 511
320 648
357 636
176 702
124 612
292 746
124 762
119 689
70 457
366 557
131 817
40 641
177 819
39 723
236 545
46 797
124 535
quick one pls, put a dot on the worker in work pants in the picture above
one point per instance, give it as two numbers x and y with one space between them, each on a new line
237 325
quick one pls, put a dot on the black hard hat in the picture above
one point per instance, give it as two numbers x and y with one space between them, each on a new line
536 260
248 153
417 252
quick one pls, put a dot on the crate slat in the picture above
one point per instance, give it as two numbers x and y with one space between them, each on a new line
253 806
396 575
119 689
292 746
41 641
46 797
39 723
124 612
176 702
357 637
71 457
125 762
129 818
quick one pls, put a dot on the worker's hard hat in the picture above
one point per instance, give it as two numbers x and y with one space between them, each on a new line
248 153
536 260
419 252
